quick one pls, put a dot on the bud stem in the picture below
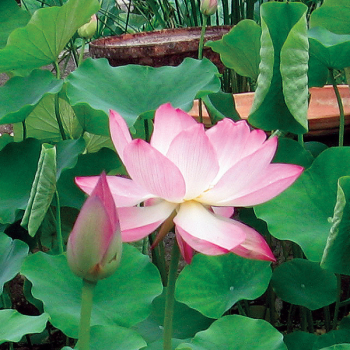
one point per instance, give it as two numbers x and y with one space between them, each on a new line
201 41
85 314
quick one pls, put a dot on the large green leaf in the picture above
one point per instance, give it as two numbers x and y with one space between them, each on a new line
87 165
305 210
44 37
240 48
237 333
43 190
340 336
115 338
124 298
300 340
213 284
20 95
336 254
11 17
333 15
96 87
12 254
42 124
17 176
303 282
186 321
15 325
331 50
281 98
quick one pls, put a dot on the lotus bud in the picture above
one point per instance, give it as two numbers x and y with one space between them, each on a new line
88 30
94 246
208 7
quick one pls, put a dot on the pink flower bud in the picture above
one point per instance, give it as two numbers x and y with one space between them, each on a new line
94 246
208 7
88 30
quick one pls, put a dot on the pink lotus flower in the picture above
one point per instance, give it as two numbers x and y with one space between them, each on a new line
94 246
193 178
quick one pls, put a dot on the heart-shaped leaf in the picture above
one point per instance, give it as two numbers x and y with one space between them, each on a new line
305 210
237 333
15 325
213 284
44 37
240 48
303 282
124 298
12 254
96 87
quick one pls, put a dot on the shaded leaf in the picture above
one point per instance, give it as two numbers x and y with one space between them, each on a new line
12 254
20 95
11 17
303 282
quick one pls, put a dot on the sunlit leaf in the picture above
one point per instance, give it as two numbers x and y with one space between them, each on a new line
43 190
213 284
240 48
123 299
305 210
15 325
237 333
44 37
96 87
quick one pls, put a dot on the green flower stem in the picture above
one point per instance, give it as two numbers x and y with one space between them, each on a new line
58 224
200 57
327 318
170 299
341 109
58 117
201 40
81 54
85 314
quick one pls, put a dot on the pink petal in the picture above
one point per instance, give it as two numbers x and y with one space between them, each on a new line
138 222
125 192
254 246
234 141
227 212
241 176
276 178
153 171
206 227
168 123
185 249
193 154
119 132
